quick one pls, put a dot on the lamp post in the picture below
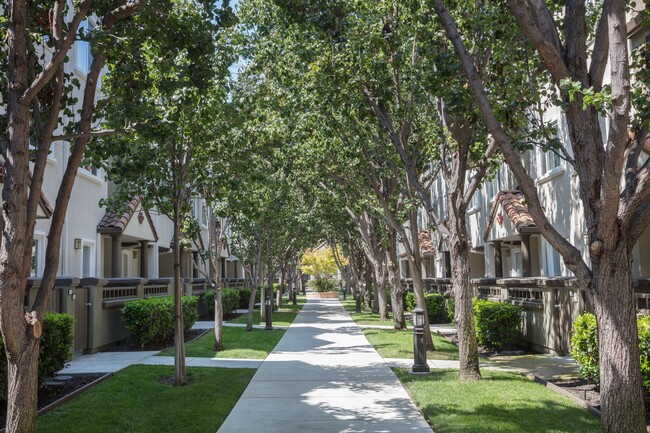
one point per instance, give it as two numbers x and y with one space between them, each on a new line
268 304
357 301
420 365
294 292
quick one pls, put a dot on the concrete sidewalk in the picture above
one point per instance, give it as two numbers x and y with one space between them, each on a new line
324 376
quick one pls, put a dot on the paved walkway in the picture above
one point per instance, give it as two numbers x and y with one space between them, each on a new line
324 376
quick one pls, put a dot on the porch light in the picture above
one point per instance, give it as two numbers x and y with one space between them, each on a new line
77 243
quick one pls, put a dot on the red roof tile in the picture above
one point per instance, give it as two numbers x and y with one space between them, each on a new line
426 246
514 206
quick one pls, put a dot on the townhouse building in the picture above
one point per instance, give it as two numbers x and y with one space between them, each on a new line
108 258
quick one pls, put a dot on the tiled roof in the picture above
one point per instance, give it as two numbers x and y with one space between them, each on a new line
426 246
114 223
514 206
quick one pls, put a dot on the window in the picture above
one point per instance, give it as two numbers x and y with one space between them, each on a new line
517 263
84 53
553 262
126 262
87 259
38 252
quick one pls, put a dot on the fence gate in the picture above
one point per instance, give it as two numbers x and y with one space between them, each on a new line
81 319
562 320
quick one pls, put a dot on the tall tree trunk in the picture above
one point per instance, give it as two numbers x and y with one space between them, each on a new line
278 298
420 302
394 282
251 307
467 345
621 397
180 374
218 318
368 291
415 265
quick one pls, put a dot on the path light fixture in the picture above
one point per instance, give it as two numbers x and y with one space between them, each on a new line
420 365
357 301
268 304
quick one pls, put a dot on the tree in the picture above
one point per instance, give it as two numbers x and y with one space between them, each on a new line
175 102
613 182
39 97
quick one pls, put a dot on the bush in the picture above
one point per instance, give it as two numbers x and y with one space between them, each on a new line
55 350
436 306
584 346
324 285
451 310
229 300
56 344
151 320
498 326
584 349
244 297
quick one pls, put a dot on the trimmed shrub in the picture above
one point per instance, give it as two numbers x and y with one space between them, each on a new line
190 305
324 285
151 320
436 306
584 346
244 297
498 326
229 298
55 350
451 309
584 349
56 344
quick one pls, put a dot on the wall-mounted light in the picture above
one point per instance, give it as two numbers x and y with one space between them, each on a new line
70 291
77 243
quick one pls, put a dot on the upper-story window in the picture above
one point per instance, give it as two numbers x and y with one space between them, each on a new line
84 52
199 211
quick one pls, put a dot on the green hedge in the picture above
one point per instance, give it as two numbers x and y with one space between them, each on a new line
584 346
244 297
498 326
151 320
55 350
229 298
323 285
584 349
436 306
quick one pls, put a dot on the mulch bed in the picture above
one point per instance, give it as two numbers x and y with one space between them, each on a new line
134 346
55 389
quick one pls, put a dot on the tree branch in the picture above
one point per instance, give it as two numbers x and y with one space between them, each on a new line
571 254
540 29
91 134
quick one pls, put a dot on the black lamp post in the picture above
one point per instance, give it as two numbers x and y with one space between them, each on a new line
357 301
420 365
268 303
294 292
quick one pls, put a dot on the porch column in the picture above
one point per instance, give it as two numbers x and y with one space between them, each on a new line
116 256
498 263
525 255
144 262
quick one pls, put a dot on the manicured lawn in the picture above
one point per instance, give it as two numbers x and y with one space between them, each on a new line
500 403
239 344
399 344
137 400
366 317
283 317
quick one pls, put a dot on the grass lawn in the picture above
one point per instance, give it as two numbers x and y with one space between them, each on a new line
239 344
283 317
137 401
399 344
500 403
366 317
